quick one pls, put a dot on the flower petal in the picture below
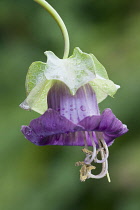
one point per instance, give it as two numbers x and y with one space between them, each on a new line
50 123
75 108
107 123
69 139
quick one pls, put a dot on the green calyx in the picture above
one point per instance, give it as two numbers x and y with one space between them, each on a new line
75 71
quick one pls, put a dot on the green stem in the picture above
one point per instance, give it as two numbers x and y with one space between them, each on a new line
60 22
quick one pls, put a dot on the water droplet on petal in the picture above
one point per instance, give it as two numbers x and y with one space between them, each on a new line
83 108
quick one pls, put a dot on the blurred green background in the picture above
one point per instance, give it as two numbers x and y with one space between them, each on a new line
45 178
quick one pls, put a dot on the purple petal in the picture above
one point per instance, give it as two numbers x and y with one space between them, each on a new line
107 123
65 139
109 137
74 108
50 123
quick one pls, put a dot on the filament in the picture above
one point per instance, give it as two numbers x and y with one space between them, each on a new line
104 164
91 156
106 152
88 160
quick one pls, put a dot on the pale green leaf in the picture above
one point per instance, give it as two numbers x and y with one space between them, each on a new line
37 87
34 75
103 88
74 71
79 69
99 69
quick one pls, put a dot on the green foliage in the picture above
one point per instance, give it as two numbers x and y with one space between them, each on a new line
75 71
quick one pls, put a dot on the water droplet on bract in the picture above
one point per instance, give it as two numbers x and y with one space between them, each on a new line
83 108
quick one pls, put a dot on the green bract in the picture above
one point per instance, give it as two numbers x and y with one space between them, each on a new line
75 71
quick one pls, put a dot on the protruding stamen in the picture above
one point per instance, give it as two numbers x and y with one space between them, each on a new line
89 160
87 152
79 163
105 150
85 171
104 165
103 172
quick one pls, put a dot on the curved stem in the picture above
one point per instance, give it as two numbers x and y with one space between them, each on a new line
59 21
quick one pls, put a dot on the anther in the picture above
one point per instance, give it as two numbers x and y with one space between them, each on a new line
84 171
87 152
